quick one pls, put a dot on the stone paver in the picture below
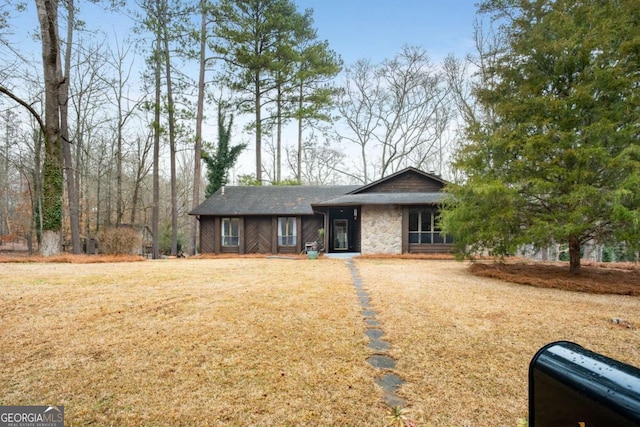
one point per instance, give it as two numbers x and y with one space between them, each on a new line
380 359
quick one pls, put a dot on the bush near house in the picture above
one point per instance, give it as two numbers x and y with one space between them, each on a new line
119 240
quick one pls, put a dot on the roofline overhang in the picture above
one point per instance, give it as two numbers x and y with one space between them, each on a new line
410 168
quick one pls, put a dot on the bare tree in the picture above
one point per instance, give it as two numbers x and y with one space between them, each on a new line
8 134
465 76
360 107
319 162
94 128
126 108
396 111
142 168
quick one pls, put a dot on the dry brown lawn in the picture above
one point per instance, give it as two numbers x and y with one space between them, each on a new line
463 343
225 342
273 342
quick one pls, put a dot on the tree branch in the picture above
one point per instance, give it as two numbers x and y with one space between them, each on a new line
33 112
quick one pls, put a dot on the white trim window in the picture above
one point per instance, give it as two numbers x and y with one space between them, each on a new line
287 235
230 231
423 228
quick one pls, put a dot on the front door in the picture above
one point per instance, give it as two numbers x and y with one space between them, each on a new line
340 234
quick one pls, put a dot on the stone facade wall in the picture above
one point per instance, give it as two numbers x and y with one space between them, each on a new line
381 228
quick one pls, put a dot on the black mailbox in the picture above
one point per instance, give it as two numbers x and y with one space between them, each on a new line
574 387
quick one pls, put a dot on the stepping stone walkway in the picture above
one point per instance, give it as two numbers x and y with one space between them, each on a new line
380 359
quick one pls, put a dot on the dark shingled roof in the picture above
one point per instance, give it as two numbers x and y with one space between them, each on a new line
385 199
269 200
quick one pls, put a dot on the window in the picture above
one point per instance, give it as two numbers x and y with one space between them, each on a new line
287 231
423 227
230 231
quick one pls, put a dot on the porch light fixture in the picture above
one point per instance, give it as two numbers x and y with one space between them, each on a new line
355 214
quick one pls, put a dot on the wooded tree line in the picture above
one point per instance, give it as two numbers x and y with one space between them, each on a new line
106 130
542 120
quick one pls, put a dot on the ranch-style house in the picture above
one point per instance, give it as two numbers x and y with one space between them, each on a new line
394 215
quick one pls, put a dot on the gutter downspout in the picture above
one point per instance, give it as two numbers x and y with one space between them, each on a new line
325 222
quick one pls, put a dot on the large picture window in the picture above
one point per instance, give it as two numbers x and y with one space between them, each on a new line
423 227
287 231
230 231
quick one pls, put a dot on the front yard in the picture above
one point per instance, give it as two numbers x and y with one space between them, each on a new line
464 343
274 342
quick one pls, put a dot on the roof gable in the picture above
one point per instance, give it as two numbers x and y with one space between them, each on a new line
409 180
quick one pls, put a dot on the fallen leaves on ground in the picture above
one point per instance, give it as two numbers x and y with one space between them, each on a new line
609 278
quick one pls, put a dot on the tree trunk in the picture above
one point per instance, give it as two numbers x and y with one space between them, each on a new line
118 86
363 153
36 223
279 132
52 168
134 202
299 159
119 201
82 184
141 173
72 193
98 198
172 140
257 104
109 187
5 223
197 160
155 210
574 255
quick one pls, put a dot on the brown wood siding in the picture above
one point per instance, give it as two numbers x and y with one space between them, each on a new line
290 250
441 248
274 233
258 235
310 227
217 243
207 235
241 234
406 183
299 237
210 236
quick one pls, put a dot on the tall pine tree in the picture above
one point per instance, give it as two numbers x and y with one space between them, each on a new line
266 48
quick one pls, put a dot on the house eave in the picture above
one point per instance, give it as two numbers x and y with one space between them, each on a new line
382 199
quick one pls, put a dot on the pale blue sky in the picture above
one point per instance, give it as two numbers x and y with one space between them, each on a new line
377 29
373 29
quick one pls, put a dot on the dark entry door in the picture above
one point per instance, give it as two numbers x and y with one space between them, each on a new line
340 235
